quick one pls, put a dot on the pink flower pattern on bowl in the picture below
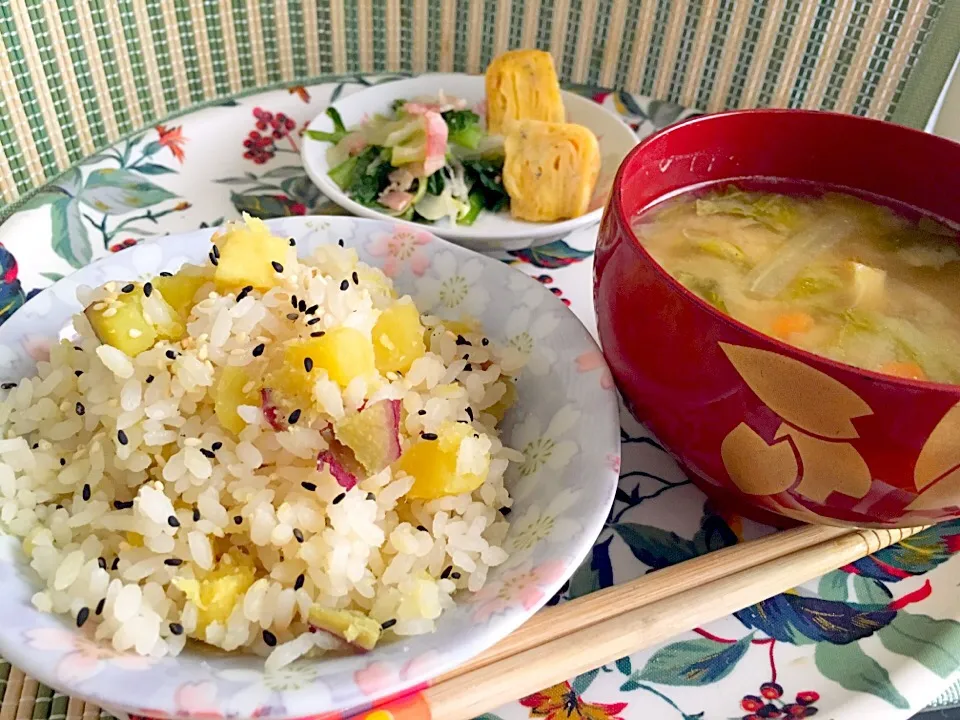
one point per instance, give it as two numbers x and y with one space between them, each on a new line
401 246
593 360
522 586
84 657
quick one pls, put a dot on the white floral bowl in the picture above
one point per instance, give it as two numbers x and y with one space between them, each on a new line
565 423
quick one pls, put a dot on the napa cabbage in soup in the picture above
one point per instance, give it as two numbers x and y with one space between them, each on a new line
831 273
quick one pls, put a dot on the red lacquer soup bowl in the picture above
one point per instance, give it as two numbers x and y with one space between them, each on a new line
758 424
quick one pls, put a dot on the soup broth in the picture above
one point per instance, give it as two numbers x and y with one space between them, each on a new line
834 274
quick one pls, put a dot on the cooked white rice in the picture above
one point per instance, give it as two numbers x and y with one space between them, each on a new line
108 501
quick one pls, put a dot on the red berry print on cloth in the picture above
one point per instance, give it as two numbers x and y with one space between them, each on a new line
261 143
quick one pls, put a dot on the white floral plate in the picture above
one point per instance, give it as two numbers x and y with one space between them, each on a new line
566 424
491 231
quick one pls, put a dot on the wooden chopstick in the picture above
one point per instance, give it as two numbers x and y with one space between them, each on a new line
583 634
604 604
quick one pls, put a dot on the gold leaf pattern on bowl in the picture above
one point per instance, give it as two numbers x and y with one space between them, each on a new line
801 395
756 467
944 493
827 467
941 452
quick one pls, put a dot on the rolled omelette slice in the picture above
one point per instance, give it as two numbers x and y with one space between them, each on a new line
550 169
522 85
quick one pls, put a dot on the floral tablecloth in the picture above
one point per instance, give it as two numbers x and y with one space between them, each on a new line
878 638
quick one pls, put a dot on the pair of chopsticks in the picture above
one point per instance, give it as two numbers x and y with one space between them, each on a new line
561 642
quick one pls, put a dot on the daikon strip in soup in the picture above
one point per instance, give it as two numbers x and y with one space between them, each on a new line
872 285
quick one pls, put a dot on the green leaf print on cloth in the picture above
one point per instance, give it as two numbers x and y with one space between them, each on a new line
930 642
693 662
116 191
853 669
69 233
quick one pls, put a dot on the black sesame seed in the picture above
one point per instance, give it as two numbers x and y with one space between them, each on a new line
470 413
122 437
99 610
147 289
317 334
308 364
292 242
149 379
207 453
461 340
455 575
355 278
292 316
269 638
298 534
277 266
196 515
78 348
302 305
35 446
344 285
166 274
115 564
309 486
241 295
258 350
63 461
340 243
8 386
387 624
82 616
59 506
213 259
176 628
466 356
371 496
313 321
171 354
294 416
312 309
421 528
80 408
102 562
216 446
299 583
505 511
173 522
237 519
247 289
216 251
468 367
128 288
463 422
123 504
86 492
78 373
485 342
173 562
428 436
421 412
446 572
339 498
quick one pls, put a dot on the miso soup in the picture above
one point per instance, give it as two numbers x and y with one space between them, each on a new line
872 285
